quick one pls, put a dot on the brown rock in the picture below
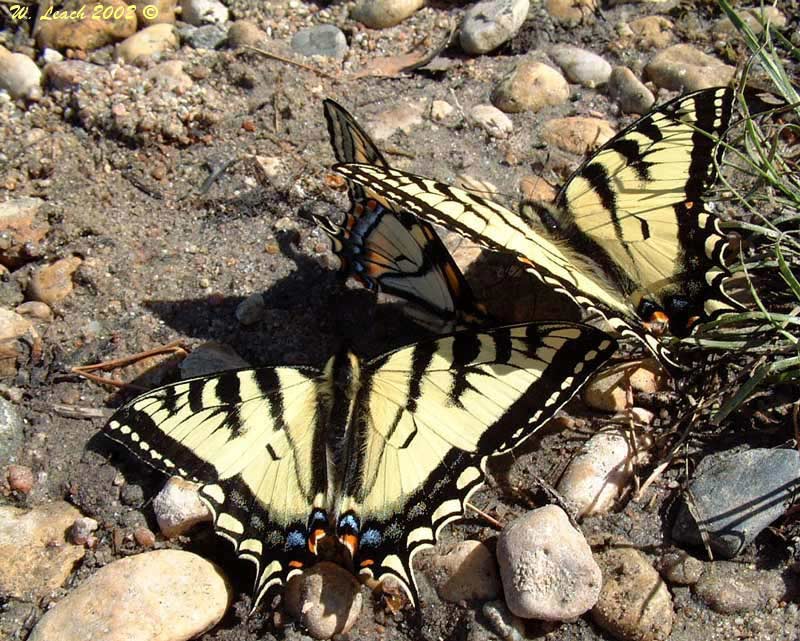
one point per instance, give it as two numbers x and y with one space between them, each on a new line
608 390
651 32
53 283
577 134
685 68
87 26
35 558
634 603
178 507
20 478
243 32
21 230
164 595
530 86
12 325
35 310
538 189
468 571
148 42
326 599
572 12
144 537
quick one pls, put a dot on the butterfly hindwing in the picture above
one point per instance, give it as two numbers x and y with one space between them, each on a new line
431 414
253 438
386 248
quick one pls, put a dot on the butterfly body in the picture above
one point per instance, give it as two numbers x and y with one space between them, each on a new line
378 455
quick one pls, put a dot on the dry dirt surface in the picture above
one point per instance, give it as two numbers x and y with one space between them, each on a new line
177 222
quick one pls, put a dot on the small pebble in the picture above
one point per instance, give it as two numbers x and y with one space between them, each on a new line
251 310
490 23
171 76
609 390
244 32
493 121
322 40
19 75
685 68
144 537
547 567
572 12
20 478
22 228
597 475
148 42
13 325
200 12
325 599
50 56
178 507
680 568
36 310
753 18
379 14
634 604
577 134
734 588
81 531
652 32
736 495
581 66
141 597
531 86
53 283
440 110
537 189
466 571
630 93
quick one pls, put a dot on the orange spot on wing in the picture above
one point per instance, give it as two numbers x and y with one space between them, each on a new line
296 564
657 323
350 541
367 562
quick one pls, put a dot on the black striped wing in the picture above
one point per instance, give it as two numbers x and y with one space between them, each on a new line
386 248
252 437
637 207
630 236
429 415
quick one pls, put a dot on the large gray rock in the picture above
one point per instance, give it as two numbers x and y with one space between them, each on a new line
735 496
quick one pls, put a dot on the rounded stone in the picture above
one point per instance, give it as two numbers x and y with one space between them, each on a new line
325 599
467 571
634 604
595 477
547 567
178 507
531 86
53 283
490 23
148 42
684 68
629 92
19 75
581 66
164 595
652 32
322 40
577 134
493 121
380 14
608 390
680 568
244 32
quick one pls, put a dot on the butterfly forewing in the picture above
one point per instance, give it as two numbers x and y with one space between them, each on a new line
389 250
